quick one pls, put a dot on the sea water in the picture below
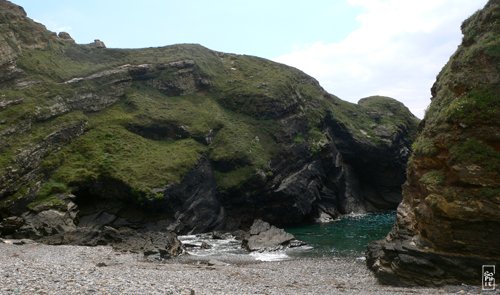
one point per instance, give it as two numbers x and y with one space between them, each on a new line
347 236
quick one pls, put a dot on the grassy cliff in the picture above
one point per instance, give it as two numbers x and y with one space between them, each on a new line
76 116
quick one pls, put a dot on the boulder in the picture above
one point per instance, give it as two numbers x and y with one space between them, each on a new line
266 237
205 245
10 224
46 220
259 226
66 37
98 44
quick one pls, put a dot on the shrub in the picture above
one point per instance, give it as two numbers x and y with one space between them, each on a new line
474 151
433 178
424 147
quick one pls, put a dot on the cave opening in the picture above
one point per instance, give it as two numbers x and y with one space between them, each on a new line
109 202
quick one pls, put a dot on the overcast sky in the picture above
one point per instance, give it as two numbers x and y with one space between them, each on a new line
355 48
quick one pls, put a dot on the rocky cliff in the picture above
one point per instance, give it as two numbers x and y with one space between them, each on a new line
448 224
181 138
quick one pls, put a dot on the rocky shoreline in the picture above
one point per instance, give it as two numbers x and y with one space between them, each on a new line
34 268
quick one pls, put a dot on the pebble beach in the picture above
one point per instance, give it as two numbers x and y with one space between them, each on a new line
34 268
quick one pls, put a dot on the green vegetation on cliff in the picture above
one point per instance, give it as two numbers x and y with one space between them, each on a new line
448 224
146 117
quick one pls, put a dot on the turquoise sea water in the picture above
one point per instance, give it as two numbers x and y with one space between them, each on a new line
347 236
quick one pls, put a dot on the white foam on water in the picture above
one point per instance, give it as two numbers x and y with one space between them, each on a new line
217 246
304 248
270 256
301 249
353 215
230 248
187 238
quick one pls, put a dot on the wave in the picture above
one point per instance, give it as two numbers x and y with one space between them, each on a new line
270 256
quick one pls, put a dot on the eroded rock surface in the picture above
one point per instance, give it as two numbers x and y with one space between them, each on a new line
180 138
448 224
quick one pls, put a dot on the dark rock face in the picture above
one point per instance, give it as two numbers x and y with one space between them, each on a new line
28 161
155 245
345 176
448 224
11 224
194 202
67 225
180 138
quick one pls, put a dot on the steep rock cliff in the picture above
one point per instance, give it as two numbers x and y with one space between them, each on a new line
181 138
448 224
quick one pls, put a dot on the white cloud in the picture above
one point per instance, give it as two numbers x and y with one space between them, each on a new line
397 50
53 26
63 29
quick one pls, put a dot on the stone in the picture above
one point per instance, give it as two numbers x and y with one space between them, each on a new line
209 137
296 243
46 223
205 245
187 292
240 234
11 224
215 262
98 44
259 226
4 103
265 237
323 218
218 235
66 37
17 241
158 245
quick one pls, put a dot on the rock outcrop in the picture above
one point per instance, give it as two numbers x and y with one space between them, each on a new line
66 37
265 237
155 245
98 44
448 224
180 138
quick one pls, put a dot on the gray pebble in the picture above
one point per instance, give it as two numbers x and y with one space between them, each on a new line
43 269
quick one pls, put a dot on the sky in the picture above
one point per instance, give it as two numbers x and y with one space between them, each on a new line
354 48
